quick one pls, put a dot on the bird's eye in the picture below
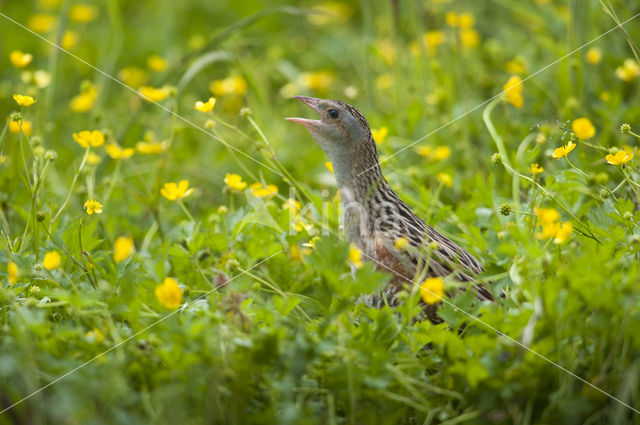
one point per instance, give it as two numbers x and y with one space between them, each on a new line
333 113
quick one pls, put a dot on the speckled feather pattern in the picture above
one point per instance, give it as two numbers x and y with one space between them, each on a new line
387 218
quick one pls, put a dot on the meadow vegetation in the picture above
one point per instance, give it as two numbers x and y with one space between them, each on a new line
161 222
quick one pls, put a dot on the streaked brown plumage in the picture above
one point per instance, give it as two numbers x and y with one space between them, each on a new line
374 216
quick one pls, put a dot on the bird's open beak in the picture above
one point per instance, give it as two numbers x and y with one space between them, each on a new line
312 102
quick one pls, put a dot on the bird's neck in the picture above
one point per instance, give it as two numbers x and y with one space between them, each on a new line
356 166
360 181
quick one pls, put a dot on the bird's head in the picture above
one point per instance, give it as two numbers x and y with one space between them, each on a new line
340 128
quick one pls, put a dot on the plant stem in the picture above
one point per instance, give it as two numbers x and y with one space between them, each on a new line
114 178
486 116
274 159
186 211
73 183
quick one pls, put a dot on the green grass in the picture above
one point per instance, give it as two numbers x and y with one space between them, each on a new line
269 329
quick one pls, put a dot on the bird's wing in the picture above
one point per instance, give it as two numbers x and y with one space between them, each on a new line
448 258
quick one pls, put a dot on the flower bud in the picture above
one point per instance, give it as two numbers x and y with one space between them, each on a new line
625 128
496 158
232 264
506 209
51 155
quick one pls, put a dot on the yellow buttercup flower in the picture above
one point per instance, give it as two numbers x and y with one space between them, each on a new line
93 159
563 231
432 39
92 206
384 81
19 59
83 13
620 158
466 20
88 138
41 22
150 148
85 100
116 152
133 76
629 71
70 39
173 191
234 181
329 166
445 179
451 18
387 51
515 67
513 91
469 38
23 100
535 169
551 227
441 153
262 191
205 107
169 293
17 126
380 134
400 243
296 253
152 94
51 260
546 215
424 151
319 81
594 56
549 230
95 335
291 205
432 290
583 128
156 63
230 85
355 256
40 78
563 151
123 248
13 272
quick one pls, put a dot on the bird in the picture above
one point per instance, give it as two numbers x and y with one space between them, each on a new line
374 216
